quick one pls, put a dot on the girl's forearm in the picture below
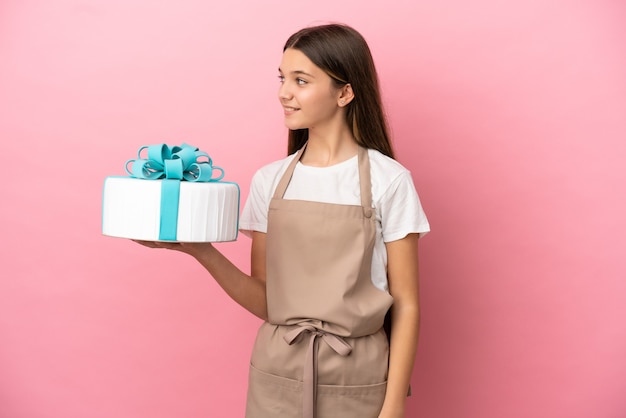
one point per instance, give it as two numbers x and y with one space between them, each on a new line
247 290
402 351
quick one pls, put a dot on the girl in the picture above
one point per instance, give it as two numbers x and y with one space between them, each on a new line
334 229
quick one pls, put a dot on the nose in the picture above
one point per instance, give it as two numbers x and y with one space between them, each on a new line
284 92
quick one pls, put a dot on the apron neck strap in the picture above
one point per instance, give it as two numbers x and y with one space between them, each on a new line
286 178
365 182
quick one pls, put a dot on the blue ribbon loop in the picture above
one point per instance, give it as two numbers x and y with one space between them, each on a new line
172 165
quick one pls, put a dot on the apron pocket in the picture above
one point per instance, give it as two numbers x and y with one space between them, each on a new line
364 401
271 396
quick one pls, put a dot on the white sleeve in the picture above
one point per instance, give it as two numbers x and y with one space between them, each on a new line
400 210
254 214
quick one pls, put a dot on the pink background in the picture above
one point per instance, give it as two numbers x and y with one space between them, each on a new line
510 115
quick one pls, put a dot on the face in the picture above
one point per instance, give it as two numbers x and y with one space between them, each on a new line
307 94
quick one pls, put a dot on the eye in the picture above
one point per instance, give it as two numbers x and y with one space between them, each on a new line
281 78
300 81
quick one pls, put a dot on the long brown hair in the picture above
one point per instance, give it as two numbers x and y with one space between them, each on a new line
343 54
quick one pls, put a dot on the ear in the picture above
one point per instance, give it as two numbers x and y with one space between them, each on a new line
346 95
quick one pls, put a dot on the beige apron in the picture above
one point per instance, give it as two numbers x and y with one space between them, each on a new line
323 352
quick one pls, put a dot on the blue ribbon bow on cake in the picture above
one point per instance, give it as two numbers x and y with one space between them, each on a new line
172 165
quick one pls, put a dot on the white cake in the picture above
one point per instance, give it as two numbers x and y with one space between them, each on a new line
207 211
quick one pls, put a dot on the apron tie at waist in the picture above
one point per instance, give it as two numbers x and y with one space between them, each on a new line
338 344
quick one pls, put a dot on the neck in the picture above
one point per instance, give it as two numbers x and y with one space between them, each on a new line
329 148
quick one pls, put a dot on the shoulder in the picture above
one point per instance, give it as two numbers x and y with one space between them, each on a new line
380 163
254 214
267 175
386 171
396 200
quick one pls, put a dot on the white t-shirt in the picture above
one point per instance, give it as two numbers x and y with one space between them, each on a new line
398 208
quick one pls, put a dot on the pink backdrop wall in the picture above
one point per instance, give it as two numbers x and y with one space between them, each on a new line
510 115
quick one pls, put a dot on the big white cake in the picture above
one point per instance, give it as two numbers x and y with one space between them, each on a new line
207 211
